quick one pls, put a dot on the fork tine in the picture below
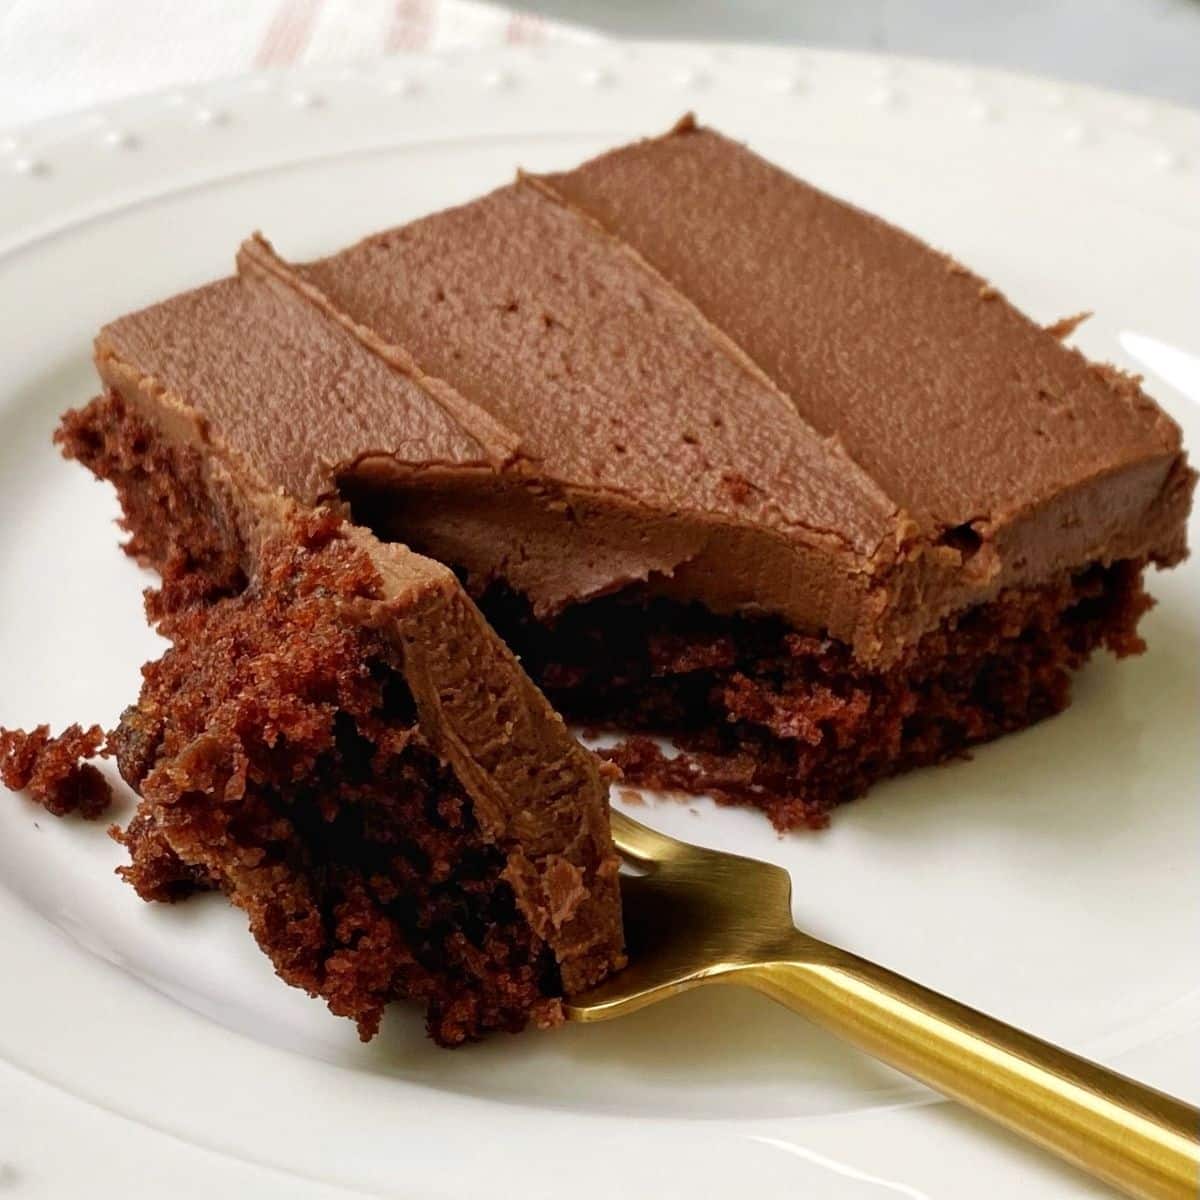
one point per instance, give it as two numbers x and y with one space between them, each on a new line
642 844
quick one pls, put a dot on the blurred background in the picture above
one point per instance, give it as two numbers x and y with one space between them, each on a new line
59 55
1147 46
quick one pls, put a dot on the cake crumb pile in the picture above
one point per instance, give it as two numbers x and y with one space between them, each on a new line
52 770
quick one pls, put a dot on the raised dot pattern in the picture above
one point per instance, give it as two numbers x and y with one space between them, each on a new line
885 94
33 167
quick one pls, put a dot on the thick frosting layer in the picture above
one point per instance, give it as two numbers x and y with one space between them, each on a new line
262 387
959 407
678 367
293 395
611 382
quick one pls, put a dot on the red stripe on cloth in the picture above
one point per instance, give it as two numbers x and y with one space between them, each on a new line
524 30
411 27
289 33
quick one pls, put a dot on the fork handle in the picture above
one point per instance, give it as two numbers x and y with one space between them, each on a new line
1131 1136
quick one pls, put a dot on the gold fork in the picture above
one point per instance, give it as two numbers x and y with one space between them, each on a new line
696 916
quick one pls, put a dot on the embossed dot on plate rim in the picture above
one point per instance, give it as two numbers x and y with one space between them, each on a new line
788 85
1077 134
597 76
303 98
32 167
499 80
211 116
885 97
120 139
1167 159
402 87
692 77
983 110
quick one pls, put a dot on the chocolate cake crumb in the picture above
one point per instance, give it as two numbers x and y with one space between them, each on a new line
1065 326
738 486
609 771
51 769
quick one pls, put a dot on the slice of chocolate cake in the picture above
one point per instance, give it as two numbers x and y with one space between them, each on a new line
336 738
720 457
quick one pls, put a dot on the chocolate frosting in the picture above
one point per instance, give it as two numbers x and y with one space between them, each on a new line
958 406
679 367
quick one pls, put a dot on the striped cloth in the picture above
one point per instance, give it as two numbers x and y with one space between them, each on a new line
58 55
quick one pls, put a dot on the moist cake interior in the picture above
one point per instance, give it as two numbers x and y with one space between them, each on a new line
789 723
792 724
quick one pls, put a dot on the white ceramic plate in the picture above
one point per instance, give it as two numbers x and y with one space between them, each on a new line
1052 880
